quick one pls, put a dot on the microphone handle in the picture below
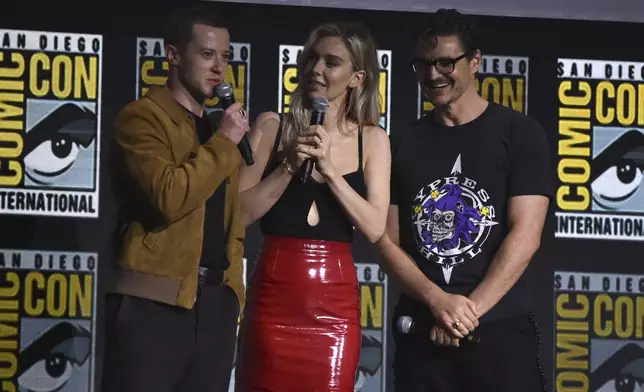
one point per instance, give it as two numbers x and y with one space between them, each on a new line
317 118
244 145
245 150
306 169
471 338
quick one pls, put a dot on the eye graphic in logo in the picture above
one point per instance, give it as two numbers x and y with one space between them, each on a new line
370 361
453 217
616 172
55 360
60 149
623 371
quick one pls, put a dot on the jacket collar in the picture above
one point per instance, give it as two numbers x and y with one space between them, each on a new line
161 96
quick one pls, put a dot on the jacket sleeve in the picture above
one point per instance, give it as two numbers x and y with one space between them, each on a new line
236 237
147 158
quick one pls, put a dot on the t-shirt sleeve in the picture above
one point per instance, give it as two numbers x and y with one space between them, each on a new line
530 171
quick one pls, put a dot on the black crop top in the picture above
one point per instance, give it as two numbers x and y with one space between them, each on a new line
289 215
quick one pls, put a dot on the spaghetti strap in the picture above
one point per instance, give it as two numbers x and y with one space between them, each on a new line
278 137
276 145
360 160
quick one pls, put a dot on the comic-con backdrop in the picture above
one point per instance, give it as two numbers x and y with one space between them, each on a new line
64 76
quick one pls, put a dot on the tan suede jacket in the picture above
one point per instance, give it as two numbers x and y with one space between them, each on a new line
162 178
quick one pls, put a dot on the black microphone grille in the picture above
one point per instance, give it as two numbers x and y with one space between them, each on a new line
223 90
320 104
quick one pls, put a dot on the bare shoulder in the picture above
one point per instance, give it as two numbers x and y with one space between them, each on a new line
267 120
266 124
263 131
375 138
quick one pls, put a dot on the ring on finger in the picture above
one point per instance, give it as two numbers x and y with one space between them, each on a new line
456 324
243 114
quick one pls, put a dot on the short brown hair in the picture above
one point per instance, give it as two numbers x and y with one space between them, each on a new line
179 27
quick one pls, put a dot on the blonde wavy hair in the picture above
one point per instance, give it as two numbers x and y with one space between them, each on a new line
362 104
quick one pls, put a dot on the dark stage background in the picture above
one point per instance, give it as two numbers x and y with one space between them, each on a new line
585 277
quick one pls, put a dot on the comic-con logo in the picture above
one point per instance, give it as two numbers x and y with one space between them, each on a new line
601 136
47 320
453 218
288 55
371 374
501 79
50 110
598 335
152 70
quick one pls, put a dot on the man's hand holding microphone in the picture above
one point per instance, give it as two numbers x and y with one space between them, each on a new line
234 123
456 317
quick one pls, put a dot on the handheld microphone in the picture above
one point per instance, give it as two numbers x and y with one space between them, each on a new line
406 326
320 106
225 94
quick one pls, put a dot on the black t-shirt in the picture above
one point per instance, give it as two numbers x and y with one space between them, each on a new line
213 253
452 185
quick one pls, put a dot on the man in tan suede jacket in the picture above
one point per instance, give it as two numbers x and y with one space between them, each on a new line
173 305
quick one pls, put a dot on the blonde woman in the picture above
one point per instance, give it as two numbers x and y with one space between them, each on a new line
301 327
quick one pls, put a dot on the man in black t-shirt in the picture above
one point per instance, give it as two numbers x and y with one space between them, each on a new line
470 189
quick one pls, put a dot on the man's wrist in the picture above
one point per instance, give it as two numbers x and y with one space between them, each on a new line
431 293
478 300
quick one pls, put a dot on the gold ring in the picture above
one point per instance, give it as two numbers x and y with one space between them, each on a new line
456 324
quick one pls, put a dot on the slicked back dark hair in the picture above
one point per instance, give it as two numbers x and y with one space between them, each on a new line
446 22
179 27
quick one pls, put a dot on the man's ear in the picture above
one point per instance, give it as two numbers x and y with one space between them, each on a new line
172 54
475 61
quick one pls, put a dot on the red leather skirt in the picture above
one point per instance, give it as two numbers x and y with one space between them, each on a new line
301 327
